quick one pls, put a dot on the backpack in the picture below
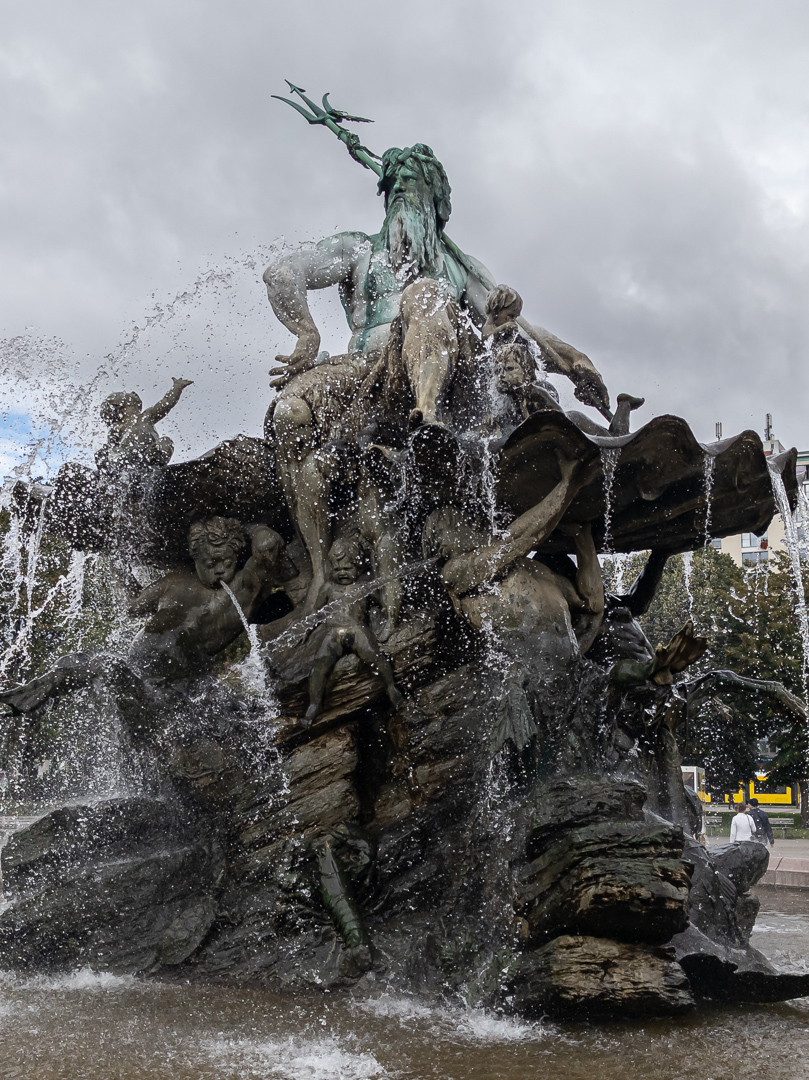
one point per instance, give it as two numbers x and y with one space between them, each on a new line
759 831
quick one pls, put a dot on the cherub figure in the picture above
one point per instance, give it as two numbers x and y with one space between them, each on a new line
133 440
195 609
345 628
515 368
515 371
191 617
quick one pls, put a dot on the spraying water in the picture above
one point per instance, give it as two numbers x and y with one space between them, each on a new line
688 557
252 668
791 540
708 467
803 518
21 558
609 463
74 584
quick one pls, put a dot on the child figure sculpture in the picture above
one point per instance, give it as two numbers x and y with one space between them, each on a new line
133 440
515 369
190 618
345 628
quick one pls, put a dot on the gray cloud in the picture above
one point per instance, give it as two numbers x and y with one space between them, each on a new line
637 171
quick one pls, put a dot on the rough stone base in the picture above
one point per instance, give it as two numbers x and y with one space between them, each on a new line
120 884
589 976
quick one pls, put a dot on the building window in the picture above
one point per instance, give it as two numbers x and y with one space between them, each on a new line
753 540
754 558
716 544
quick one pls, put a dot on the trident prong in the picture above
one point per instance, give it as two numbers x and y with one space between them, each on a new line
299 108
339 116
317 115
333 119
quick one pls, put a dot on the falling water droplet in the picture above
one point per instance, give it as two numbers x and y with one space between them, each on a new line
687 568
792 545
708 467
609 463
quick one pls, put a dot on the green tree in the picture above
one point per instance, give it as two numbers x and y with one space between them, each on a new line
52 601
749 617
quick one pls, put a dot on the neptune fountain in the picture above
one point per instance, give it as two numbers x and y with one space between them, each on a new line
449 759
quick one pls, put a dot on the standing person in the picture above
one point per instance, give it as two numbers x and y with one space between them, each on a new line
762 830
741 827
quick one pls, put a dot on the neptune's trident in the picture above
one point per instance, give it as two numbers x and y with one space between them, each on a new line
332 118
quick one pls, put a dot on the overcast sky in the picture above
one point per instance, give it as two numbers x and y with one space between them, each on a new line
638 171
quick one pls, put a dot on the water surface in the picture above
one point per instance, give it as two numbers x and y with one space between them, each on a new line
86 1026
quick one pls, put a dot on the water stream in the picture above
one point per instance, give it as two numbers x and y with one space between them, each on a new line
107 1027
252 668
708 468
609 463
688 557
803 529
621 559
793 547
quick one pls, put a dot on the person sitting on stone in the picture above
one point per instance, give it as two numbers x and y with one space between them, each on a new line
192 616
345 628
133 441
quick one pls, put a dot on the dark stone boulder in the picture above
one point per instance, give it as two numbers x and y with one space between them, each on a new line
589 976
553 809
714 950
597 867
121 884
744 862
623 879
723 973
720 904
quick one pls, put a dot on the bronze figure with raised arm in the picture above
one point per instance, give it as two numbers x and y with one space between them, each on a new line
133 440
494 584
406 290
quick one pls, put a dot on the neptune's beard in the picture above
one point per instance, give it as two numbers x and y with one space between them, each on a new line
411 238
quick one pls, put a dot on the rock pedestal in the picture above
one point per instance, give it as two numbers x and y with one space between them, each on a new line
123 884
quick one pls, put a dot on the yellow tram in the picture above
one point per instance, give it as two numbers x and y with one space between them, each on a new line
768 793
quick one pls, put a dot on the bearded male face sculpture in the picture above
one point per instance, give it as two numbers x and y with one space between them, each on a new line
417 207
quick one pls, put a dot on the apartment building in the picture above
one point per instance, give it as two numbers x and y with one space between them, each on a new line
750 549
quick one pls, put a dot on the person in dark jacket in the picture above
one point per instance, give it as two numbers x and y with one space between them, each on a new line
761 824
